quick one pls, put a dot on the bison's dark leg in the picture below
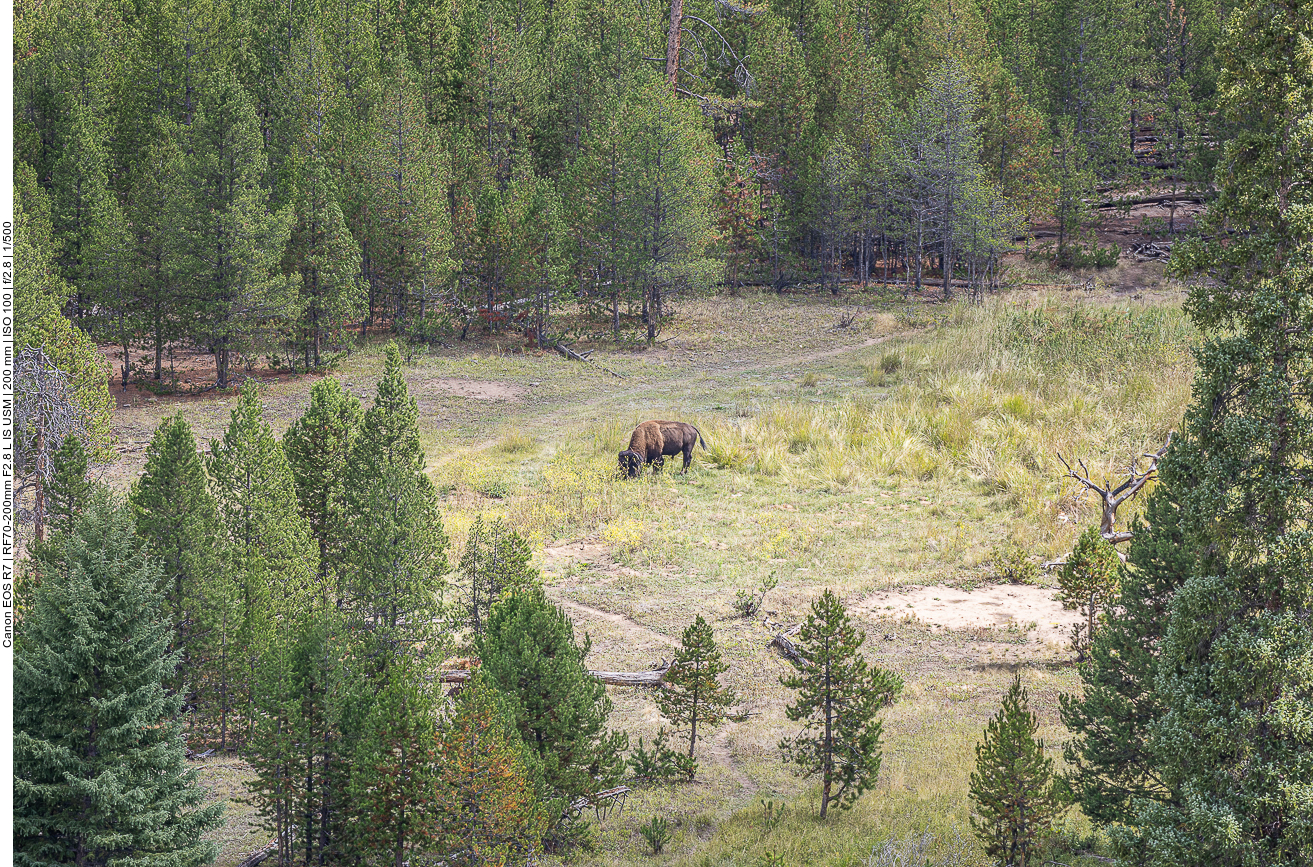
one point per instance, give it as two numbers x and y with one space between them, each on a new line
688 457
658 463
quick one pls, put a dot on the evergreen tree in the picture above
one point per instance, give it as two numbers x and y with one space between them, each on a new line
1109 760
176 515
155 177
226 243
69 490
1088 581
39 295
392 769
1236 656
528 652
271 563
296 747
410 239
486 807
318 445
327 261
839 695
693 692
100 776
496 560
396 549
1012 786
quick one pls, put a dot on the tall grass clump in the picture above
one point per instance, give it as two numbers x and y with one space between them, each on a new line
992 397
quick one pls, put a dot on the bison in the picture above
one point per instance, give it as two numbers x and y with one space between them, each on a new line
653 440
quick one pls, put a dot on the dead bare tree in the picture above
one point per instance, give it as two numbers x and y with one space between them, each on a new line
46 411
1111 497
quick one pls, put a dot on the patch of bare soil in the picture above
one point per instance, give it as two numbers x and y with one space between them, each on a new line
477 389
995 607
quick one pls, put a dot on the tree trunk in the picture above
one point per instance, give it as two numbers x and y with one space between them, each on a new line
672 43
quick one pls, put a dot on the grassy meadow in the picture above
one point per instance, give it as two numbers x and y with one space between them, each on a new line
901 450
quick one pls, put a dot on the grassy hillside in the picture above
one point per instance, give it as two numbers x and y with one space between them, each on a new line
898 451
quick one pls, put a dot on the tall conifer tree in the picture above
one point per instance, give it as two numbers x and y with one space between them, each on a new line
176 516
318 445
226 243
99 772
1236 659
528 651
396 550
271 561
839 695
496 559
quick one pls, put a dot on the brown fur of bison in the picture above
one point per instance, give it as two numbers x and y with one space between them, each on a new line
653 441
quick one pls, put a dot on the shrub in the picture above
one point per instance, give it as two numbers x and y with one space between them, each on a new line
748 602
661 763
657 833
1011 564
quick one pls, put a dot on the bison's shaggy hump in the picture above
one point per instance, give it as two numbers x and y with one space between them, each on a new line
652 441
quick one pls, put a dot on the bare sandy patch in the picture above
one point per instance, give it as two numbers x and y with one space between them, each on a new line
476 389
997 606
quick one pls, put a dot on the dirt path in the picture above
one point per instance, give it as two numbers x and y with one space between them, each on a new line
576 410
718 747
629 627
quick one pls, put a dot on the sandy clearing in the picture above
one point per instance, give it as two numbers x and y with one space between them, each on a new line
476 389
994 606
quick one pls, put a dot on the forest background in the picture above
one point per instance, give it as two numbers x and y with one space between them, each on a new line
264 179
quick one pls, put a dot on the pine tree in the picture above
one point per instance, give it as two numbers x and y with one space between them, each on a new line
225 242
839 695
1236 658
1109 760
296 747
693 692
271 562
69 490
396 549
318 445
528 652
410 235
39 295
100 775
496 560
1012 786
486 807
1088 581
176 515
392 768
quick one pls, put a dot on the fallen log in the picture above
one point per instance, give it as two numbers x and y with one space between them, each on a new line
260 855
614 678
1180 198
570 354
788 648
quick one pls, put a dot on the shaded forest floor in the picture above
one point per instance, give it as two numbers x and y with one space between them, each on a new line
886 459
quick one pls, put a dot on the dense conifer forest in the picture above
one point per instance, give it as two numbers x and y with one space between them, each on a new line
263 179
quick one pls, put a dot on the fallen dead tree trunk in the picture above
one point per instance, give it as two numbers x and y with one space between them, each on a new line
653 677
789 650
260 855
570 354
1150 200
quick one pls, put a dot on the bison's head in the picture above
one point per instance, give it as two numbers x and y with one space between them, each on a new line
630 463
